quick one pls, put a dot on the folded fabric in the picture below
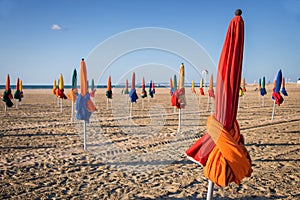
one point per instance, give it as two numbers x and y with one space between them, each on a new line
84 107
133 96
178 98
229 161
109 94
73 95
277 98
202 91
263 91
7 96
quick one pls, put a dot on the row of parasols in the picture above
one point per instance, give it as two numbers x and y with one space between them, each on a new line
7 95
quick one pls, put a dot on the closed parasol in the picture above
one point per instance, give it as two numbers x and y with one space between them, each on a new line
7 95
108 90
126 87
263 90
201 91
132 94
210 91
74 91
221 150
143 92
171 87
178 98
150 89
17 94
193 87
61 89
84 105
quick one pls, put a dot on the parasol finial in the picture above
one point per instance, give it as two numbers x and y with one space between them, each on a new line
238 12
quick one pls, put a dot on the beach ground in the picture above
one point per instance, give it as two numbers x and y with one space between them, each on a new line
142 156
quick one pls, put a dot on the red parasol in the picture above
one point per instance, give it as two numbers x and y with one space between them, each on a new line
221 150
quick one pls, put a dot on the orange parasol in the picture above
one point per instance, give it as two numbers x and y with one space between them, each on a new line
84 105
108 91
74 91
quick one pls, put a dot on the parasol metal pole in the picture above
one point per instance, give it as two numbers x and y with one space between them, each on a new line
142 103
5 110
179 121
130 110
61 105
174 109
199 100
210 190
263 101
273 112
84 135
106 103
208 102
72 113
17 104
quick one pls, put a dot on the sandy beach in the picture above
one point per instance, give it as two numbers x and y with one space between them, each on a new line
142 156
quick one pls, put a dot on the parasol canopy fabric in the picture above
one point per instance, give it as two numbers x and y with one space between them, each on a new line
178 98
74 91
283 91
143 92
210 91
263 90
201 91
132 94
84 105
108 90
17 94
221 150
193 87
7 95
60 90
276 96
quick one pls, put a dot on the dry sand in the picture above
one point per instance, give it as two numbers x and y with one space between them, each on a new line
142 157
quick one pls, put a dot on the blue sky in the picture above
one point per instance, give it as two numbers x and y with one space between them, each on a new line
40 39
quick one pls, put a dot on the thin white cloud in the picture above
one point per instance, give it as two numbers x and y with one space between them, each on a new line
56 27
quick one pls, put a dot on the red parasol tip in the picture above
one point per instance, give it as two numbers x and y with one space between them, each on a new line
238 12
